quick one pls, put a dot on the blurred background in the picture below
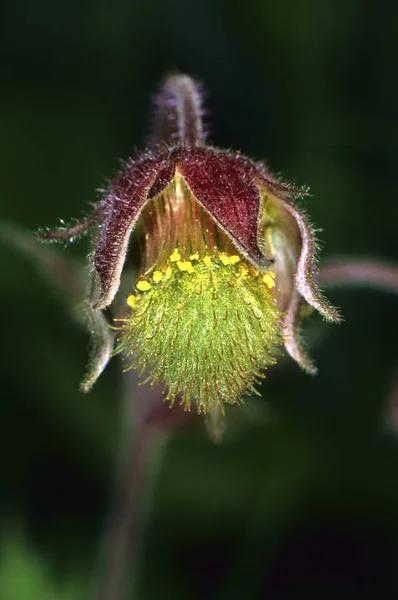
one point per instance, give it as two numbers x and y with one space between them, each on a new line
301 499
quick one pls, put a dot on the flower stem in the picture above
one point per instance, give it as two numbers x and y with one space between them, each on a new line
372 274
144 438
364 272
148 421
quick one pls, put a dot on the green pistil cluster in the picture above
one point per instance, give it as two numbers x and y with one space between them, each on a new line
207 327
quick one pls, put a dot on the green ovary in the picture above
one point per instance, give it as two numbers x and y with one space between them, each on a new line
205 328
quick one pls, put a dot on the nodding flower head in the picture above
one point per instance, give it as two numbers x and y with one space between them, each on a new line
227 260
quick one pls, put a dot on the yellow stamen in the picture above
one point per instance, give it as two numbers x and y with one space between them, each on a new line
157 276
185 266
268 280
225 259
175 257
253 272
234 259
143 285
132 301
167 270
244 270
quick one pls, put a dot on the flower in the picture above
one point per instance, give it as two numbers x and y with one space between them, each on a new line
227 260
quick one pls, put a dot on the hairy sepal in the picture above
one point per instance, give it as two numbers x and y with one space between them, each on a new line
293 245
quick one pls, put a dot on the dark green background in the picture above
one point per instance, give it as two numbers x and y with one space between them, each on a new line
301 500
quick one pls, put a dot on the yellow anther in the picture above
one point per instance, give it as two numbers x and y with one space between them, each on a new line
268 280
244 270
132 301
207 261
176 256
157 276
253 272
143 285
185 266
194 256
234 259
225 259
167 270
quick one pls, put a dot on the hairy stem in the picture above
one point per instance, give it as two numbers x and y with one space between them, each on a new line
140 447
364 272
148 420
368 273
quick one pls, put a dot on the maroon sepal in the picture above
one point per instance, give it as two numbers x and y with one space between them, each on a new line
225 184
123 204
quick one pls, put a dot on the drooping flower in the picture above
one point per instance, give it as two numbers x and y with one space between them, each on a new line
227 259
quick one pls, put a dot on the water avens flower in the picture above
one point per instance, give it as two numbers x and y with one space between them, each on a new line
227 259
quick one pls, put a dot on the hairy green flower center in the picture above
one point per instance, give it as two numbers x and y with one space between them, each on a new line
201 320
207 332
